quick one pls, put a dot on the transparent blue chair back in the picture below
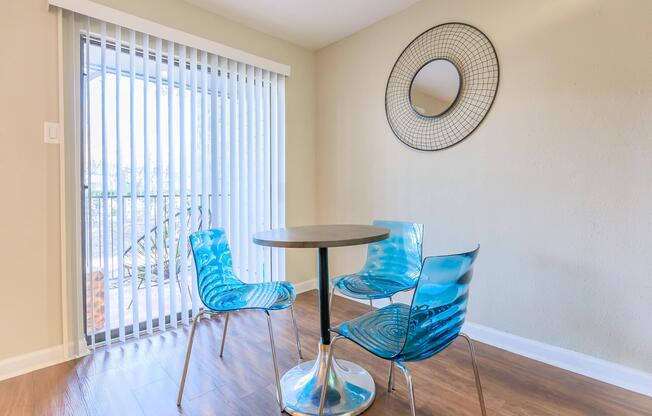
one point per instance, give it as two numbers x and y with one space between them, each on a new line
439 305
399 256
220 289
213 262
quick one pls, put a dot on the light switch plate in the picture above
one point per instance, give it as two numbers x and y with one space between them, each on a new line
51 132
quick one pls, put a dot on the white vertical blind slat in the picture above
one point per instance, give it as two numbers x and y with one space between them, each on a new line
251 174
243 230
280 165
204 143
220 64
267 272
234 180
160 242
274 168
172 210
120 191
147 189
132 179
105 194
215 189
194 166
260 193
90 219
183 192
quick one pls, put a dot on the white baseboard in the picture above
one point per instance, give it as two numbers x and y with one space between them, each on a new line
305 286
586 365
15 366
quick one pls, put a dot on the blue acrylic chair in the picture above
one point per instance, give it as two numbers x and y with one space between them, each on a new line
222 292
393 265
400 333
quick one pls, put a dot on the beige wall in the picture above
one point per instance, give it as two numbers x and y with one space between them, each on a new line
555 184
29 212
30 289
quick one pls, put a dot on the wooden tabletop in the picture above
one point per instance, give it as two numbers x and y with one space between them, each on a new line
313 236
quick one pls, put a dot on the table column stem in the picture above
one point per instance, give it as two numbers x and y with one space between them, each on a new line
323 281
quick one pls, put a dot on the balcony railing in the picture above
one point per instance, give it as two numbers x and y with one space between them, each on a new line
95 269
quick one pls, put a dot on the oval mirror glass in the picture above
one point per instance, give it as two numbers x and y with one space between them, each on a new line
435 88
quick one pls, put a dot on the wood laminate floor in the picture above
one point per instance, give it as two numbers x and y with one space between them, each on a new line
141 377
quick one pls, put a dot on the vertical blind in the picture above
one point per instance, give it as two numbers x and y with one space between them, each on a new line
175 139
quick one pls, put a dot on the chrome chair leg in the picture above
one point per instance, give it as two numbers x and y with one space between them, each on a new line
278 378
476 373
329 364
296 332
226 326
330 300
371 305
408 378
390 380
188 351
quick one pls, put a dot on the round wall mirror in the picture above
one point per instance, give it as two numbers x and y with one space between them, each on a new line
435 88
441 86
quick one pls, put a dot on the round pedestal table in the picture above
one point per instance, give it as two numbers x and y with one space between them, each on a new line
351 388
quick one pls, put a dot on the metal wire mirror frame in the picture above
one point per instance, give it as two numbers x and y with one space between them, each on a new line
475 58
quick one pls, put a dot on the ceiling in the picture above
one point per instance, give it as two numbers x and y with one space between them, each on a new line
309 23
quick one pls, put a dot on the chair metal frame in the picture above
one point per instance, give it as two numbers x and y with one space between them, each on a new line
226 324
408 377
209 312
399 360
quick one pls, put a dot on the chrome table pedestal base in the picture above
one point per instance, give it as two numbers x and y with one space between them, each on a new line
351 388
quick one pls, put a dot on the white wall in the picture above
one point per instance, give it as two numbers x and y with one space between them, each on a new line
555 184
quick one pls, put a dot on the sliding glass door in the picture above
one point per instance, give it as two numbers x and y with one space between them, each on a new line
174 140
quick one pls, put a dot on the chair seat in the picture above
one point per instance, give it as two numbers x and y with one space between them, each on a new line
366 286
382 332
231 297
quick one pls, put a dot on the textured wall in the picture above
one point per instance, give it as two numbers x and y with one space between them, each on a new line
555 184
